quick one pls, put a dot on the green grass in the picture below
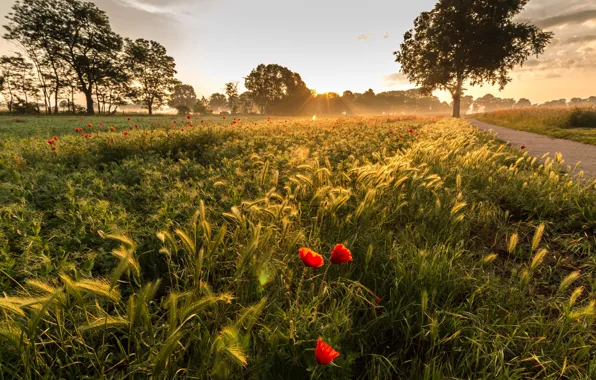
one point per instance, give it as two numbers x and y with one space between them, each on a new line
578 124
172 253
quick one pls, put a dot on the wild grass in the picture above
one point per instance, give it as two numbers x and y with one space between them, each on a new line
572 123
174 254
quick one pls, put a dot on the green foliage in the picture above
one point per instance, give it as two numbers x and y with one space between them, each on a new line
173 253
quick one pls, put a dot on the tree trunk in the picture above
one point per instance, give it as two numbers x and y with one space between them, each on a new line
457 98
56 100
89 97
150 108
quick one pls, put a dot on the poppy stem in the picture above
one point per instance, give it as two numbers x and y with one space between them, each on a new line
320 294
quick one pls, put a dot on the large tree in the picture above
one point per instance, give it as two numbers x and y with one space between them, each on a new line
184 98
218 101
468 41
152 72
19 85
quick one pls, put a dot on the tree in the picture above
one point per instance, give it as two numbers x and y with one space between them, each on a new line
473 41
231 90
218 102
152 72
268 83
202 106
523 102
183 98
245 103
18 80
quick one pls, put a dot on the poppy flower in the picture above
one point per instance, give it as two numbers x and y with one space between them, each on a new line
136 125
188 117
523 147
55 138
174 121
341 254
78 129
130 126
324 353
50 142
224 117
129 118
125 133
378 299
411 131
310 258
54 148
90 125
101 123
112 128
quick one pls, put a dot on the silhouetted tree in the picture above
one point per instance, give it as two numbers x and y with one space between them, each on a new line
231 90
555 103
468 40
19 85
218 101
523 102
245 102
183 98
152 72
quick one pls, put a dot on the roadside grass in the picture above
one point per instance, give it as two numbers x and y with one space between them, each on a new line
172 251
577 123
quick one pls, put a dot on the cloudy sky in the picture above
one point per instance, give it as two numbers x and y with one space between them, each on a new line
338 45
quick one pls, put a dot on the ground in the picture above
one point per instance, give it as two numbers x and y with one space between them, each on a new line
172 250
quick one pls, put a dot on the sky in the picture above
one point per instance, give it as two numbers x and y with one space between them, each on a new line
338 45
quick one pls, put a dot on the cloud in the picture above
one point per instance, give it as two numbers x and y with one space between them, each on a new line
568 19
363 37
386 35
396 78
580 39
146 7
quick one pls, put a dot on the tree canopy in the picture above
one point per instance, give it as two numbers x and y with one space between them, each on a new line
468 41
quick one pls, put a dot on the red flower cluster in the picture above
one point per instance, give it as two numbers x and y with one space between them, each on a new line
78 130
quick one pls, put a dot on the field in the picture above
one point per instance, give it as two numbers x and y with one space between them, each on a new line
171 250
578 124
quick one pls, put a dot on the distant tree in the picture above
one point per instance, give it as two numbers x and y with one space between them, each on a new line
245 103
19 85
201 106
466 102
218 102
269 83
348 96
183 98
112 93
523 102
152 72
555 103
231 91
473 41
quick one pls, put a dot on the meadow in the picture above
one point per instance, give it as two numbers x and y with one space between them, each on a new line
571 123
171 250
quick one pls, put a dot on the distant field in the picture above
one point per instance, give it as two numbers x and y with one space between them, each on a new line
578 124
171 251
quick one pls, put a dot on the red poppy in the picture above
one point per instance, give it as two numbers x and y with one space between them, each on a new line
78 129
378 299
130 126
174 121
202 121
324 353
55 138
310 258
224 117
129 118
101 123
390 132
53 148
136 125
90 125
50 142
112 128
125 133
523 147
181 129
340 254
188 117
411 130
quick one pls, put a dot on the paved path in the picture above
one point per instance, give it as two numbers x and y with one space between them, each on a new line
537 145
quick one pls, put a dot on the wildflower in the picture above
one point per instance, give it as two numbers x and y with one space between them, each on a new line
181 129
340 254
130 126
112 128
324 353
188 117
78 129
523 147
50 142
174 121
377 299
129 118
224 117
136 125
411 131
101 123
125 133
55 138
310 258
54 148
90 125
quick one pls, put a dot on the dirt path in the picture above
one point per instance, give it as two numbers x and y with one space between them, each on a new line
537 145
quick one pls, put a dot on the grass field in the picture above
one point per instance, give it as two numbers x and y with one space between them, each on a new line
172 251
578 124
